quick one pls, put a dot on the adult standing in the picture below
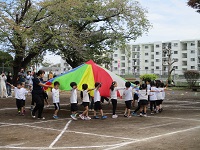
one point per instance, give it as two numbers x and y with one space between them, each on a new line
37 94
3 79
8 86
21 76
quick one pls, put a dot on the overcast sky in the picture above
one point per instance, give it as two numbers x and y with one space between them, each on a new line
171 20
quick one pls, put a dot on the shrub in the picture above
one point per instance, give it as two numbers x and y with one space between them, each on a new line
191 76
146 77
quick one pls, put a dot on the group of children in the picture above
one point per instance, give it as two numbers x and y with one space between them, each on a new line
152 93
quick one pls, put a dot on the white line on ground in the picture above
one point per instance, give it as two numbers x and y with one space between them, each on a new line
58 137
176 118
100 135
154 126
153 137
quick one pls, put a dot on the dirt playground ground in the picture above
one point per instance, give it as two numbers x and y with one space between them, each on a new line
176 128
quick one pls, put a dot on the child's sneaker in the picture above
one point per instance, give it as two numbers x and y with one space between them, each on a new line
134 114
42 118
145 115
87 118
128 116
141 114
114 116
125 115
73 117
152 113
81 116
96 117
55 117
103 117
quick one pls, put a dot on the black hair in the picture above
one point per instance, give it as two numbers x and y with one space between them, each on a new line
40 72
56 83
73 84
136 82
28 72
112 85
19 83
143 87
148 80
128 84
84 86
158 82
152 83
162 85
97 84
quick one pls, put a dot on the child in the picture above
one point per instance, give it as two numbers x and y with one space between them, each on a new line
153 97
25 92
56 99
136 97
163 88
19 95
143 99
86 101
73 100
113 96
159 96
128 96
97 101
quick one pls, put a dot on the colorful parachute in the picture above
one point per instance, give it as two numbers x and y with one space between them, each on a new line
89 73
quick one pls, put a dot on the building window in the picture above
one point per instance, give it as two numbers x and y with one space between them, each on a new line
192 67
175 67
115 68
146 61
146 54
146 68
175 52
157 60
157 67
192 59
192 51
192 44
146 47
115 55
175 44
122 57
157 46
157 53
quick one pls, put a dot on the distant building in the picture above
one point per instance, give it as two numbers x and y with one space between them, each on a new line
154 57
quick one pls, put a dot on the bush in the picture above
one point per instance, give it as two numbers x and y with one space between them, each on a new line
146 77
191 76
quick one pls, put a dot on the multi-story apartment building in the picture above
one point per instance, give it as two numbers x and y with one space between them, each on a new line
155 57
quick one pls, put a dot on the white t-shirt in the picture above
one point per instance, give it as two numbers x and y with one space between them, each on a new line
97 96
86 96
159 94
56 95
73 98
25 92
128 94
153 96
20 93
113 94
143 94
163 93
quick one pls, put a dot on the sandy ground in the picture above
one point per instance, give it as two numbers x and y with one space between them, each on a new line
176 128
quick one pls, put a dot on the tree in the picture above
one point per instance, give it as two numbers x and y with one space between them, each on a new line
192 76
168 51
95 26
194 4
77 29
148 77
6 60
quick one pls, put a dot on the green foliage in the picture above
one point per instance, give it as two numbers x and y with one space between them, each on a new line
146 77
6 59
191 76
